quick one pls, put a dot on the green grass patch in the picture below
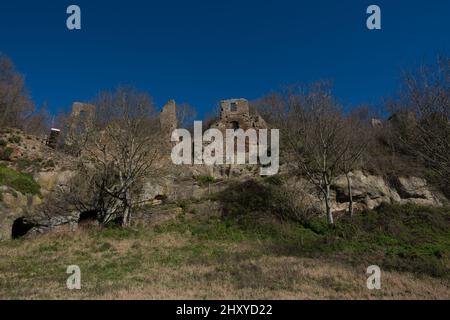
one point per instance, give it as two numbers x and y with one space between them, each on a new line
22 182
204 180
403 238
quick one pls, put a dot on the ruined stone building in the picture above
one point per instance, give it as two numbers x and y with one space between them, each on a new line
168 121
82 116
53 138
83 110
235 114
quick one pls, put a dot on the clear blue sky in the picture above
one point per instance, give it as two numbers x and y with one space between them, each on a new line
203 51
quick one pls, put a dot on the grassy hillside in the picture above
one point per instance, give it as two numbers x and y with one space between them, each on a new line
239 257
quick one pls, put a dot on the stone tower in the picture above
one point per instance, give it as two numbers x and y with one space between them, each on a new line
168 120
235 114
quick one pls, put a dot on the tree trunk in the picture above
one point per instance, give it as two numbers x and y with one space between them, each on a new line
126 217
350 194
110 212
127 212
328 202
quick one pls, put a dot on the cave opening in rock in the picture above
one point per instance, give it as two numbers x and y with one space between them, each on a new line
21 227
88 217
161 197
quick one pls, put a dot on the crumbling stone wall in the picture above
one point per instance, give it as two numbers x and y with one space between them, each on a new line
82 118
168 121
168 117
235 114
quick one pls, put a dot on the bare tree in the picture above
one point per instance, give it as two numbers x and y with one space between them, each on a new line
122 150
76 131
211 117
268 107
423 118
186 115
15 102
313 127
38 122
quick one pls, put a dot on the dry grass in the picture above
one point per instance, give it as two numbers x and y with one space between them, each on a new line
171 265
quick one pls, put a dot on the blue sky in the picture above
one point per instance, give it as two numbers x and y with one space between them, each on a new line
203 51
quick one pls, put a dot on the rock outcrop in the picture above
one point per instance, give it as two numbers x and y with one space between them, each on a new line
371 191
14 207
176 183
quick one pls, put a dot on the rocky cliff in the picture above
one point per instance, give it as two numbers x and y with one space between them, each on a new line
27 180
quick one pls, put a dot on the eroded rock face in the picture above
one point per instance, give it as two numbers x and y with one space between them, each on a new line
368 189
13 206
66 222
7 218
418 191
151 190
372 191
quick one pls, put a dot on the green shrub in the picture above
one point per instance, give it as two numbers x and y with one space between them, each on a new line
15 139
24 163
3 143
404 238
6 153
205 180
257 197
6 130
22 182
25 185
275 180
50 164
183 204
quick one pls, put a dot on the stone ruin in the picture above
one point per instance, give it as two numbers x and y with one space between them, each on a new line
235 114
376 123
399 119
168 121
82 116
83 110
53 138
